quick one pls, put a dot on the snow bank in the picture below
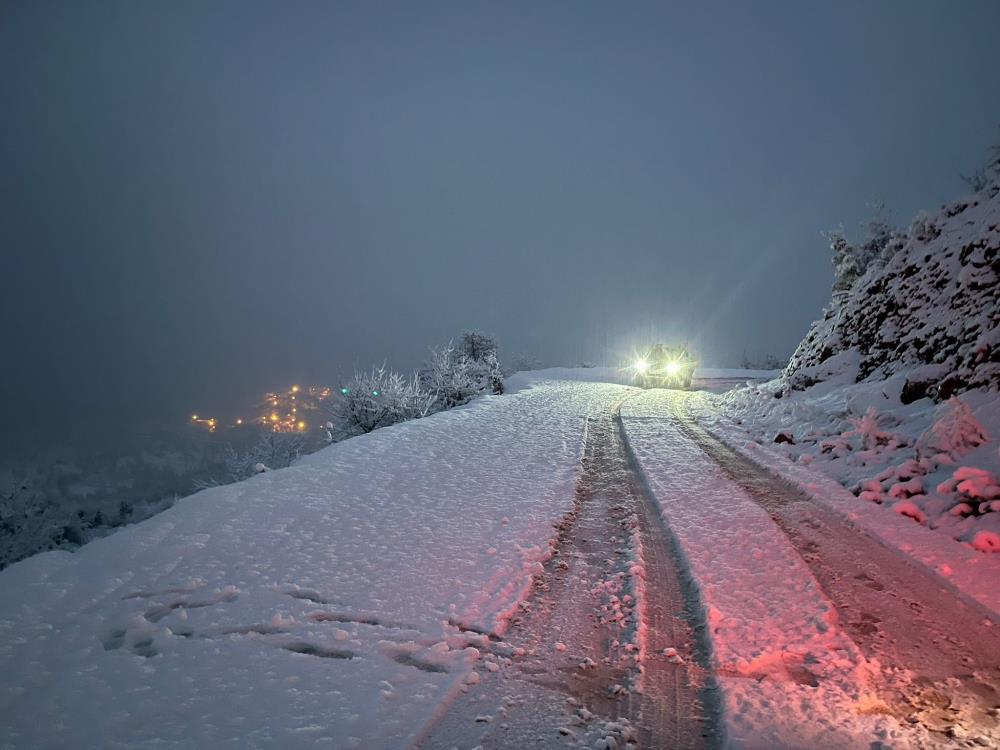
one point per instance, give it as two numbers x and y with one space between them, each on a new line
334 603
921 477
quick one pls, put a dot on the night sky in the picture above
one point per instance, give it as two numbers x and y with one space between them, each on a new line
201 201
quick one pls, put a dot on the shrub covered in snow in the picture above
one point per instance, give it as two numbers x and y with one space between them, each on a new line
867 428
448 376
273 450
954 433
455 375
29 519
378 398
851 262
54 504
480 351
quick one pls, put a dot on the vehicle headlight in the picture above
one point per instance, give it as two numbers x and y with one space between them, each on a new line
673 368
641 365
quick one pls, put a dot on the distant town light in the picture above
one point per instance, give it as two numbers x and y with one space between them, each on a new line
283 415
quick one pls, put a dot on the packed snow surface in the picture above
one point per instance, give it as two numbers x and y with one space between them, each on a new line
773 632
334 603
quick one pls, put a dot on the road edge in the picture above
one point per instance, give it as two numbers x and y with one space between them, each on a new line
930 550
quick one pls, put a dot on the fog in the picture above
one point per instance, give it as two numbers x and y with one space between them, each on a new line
199 202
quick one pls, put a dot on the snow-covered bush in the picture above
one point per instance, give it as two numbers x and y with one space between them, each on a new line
867 428
978 180
954 432
850 262
481 352
27 521
449 377
273 450
455 375
987 176
978 489
39 511
476 345
379 398
847 265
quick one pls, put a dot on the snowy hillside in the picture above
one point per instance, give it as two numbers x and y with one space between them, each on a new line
931 308
894 391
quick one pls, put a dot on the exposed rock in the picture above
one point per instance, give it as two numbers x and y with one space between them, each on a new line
935 302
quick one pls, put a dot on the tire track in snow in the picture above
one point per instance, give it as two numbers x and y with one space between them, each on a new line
584 660
671 625
940 658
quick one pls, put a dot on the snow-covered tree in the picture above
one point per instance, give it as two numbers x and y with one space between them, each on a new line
378 399
31 519
994 163
481 352
985 176
977 180
274 450
455 375
448 376
850 262
476 346
846 266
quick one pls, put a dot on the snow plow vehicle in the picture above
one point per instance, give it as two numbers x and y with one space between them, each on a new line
664 367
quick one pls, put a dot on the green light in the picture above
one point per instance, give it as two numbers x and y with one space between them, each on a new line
345 391
375 393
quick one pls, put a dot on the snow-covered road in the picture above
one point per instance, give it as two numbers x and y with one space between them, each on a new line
604 650
930 642
384 590
821 634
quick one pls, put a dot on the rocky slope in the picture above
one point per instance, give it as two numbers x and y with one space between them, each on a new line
932 309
